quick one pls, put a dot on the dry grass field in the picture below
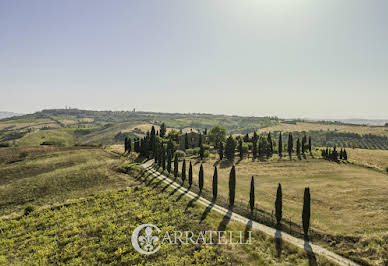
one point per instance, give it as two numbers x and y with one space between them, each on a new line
346 199
370 158
303 126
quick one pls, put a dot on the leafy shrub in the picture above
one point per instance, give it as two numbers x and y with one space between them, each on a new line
196 151
52 142
180 154
29 209
189 151
206 146
206 154
4 144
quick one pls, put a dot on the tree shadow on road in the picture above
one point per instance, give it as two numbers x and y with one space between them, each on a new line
278 242
310 253
191 203
248 228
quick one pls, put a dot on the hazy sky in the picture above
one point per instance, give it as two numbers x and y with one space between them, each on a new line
290 58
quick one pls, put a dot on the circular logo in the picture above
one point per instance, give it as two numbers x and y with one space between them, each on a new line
143 241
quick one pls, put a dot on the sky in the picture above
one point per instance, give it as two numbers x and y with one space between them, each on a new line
286 58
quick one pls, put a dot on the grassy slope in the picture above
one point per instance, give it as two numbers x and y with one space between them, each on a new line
377 159
347 200
98 230
46 175
62 136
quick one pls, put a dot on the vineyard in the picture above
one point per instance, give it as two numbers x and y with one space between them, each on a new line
342 139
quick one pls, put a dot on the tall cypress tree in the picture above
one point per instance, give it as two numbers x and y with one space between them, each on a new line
280 148
310 150
278 205
254 149
153 141
200 181
129 141
298 147
125 144
304 140
290 145
183 171
169 161
190 174
215 183
240 149
230 148
252 195
163 158
163 130
176 166
201 151
345 155
232 186
306 212
270 148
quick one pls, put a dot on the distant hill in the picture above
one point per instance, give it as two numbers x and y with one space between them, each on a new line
8 114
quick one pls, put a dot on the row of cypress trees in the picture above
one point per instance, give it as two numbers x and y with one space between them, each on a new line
333 155
232 192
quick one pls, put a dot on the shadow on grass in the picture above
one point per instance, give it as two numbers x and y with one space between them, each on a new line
207 211
191 203
225 164
181 195
225 221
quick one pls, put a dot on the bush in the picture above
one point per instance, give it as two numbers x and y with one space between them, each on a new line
180 154
206 154
206 146
29 209
196 151
52 142
189 151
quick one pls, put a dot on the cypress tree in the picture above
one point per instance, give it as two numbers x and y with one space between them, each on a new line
304 140
163 130
190 174
278 205
270 148
221 150
254 149
290 145
201 151
153 141
169 161
310 144
280 148
298 147
125 144
176 166
200 183
341 154
252 195
232 186
306 212
129 147
246 138
163 158
183 171
345 155
240 149
254 138
230 148
215 183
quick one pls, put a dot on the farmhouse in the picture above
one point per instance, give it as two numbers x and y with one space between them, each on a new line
192 139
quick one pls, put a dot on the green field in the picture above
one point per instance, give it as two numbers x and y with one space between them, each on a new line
49 175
